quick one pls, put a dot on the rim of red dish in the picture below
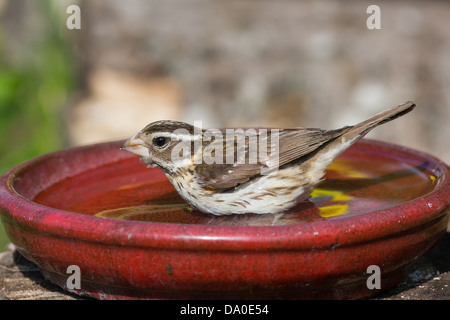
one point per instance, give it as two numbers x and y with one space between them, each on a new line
314 235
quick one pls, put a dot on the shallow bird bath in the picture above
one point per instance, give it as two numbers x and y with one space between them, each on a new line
132 236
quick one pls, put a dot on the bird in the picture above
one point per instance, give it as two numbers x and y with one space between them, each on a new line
256 171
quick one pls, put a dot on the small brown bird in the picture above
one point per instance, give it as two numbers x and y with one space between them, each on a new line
263 171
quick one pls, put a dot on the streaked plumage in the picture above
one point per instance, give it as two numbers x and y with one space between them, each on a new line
259 183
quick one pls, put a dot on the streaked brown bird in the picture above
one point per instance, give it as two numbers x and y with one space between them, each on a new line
263 171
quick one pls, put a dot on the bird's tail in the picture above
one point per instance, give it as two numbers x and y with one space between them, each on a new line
347 136
366 126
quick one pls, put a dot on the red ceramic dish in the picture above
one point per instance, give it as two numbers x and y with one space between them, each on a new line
129 233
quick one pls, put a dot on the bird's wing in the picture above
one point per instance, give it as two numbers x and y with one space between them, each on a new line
295 143
256 154
283 146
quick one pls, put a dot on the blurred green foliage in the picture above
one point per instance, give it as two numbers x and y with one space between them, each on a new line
33 93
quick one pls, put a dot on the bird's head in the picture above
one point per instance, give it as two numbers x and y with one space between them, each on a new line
164 144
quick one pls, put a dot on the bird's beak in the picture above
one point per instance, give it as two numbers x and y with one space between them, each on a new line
136 145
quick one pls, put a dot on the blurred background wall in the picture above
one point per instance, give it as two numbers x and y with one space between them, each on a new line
228 63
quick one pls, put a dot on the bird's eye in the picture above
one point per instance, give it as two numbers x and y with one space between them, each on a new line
160 141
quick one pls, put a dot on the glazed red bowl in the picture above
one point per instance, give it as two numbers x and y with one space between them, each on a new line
131 235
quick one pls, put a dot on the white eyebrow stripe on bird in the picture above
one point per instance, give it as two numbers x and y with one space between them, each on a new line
177 136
